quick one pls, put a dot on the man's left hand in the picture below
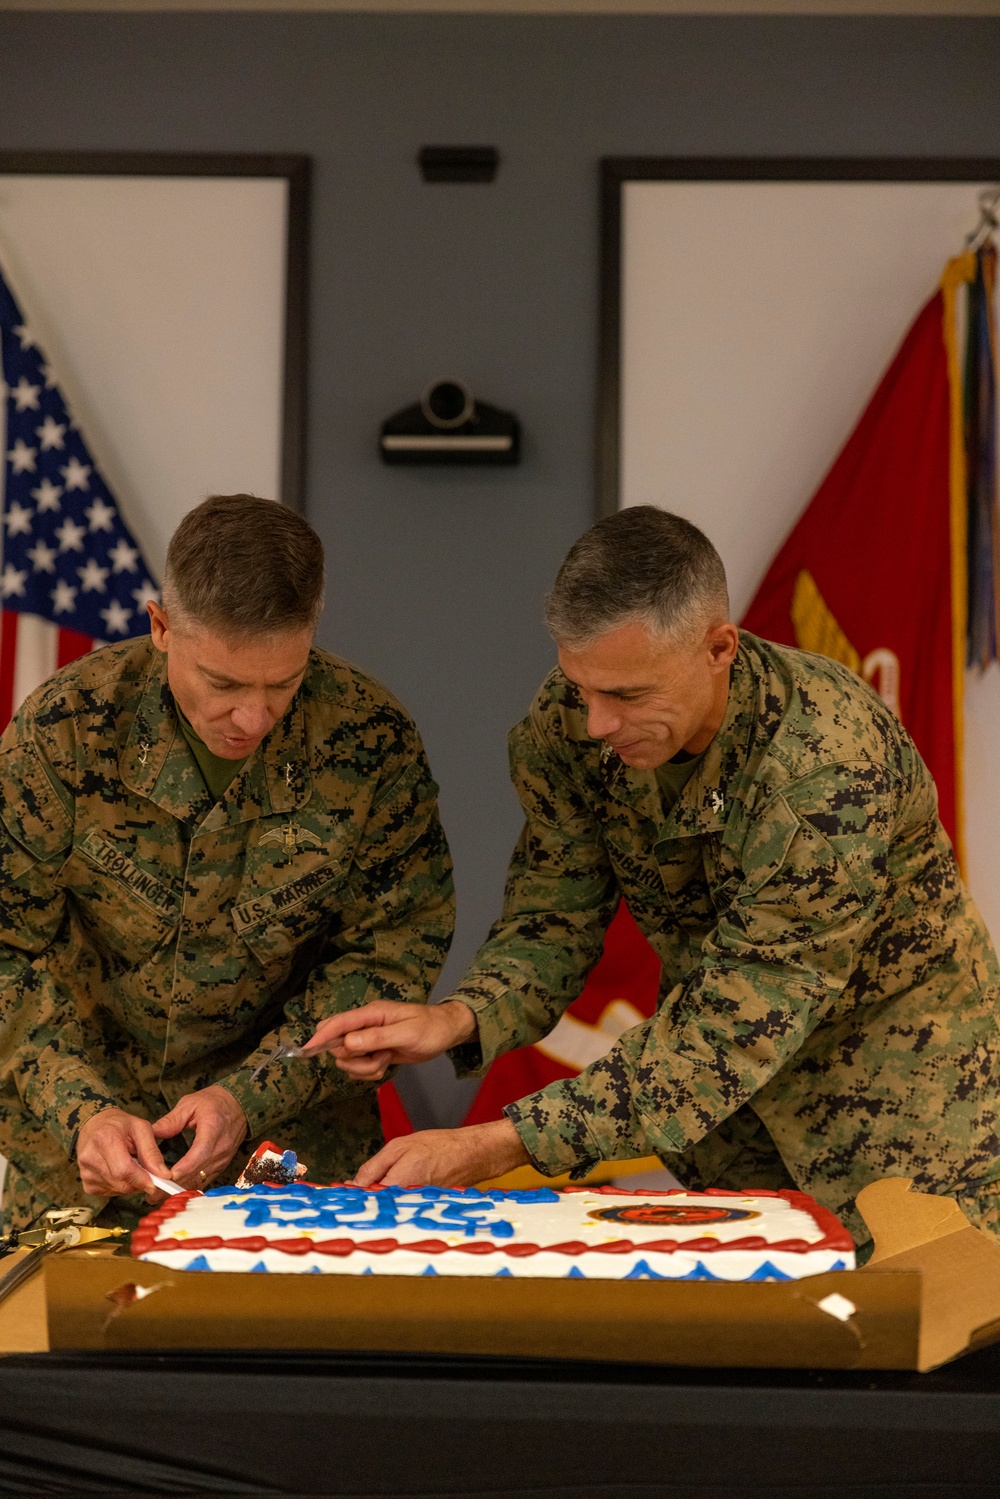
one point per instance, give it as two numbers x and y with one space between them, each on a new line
220 1127
445 1157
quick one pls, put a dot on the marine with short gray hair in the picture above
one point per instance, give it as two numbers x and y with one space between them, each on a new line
211 839
829 1000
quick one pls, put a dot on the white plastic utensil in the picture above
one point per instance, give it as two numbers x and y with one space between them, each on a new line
171 1188
287 1049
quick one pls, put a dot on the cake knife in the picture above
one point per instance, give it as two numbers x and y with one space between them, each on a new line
63 1229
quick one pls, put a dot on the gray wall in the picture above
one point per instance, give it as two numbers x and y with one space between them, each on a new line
437 578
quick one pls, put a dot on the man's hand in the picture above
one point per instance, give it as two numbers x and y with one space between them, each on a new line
105 1148
367 1041
219 1125
446 1157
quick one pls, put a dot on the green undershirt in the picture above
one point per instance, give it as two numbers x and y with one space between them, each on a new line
674 776
217 773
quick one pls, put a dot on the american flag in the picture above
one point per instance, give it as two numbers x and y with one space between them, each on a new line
73 575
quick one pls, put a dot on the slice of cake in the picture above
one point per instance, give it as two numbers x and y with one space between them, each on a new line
590 1232
269 1164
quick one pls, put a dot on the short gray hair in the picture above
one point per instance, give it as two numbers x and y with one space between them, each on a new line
244 567
641 565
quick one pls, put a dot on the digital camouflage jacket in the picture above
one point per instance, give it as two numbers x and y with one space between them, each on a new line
153 941
825 973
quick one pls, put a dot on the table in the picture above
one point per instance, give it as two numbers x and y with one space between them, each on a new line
423 1427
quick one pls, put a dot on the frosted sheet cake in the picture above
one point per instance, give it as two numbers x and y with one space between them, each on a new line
580 1232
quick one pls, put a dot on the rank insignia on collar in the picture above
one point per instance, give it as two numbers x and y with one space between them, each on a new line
291 836
716 802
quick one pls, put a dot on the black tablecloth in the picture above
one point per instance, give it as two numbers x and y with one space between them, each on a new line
418 1428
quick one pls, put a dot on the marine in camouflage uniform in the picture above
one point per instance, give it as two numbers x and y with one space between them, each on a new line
829 997
154 942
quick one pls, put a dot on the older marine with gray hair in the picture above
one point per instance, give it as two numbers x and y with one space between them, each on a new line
829 997
211 838
642 566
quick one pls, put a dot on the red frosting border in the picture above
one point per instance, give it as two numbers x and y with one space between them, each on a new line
835 1236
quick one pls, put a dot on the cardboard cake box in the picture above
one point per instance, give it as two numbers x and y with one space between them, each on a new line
930 1292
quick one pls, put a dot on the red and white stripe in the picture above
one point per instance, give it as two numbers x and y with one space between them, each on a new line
31 649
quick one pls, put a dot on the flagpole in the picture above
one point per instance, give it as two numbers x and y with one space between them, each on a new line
958 272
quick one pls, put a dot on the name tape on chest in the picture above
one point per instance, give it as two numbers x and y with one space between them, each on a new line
114 862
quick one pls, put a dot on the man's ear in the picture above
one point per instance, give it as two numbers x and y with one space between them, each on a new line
723 642
159 624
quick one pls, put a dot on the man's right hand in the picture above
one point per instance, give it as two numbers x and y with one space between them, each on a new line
105 1147
366 1042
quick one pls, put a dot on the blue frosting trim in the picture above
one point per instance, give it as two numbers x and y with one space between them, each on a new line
700 1272
767 1271
643 1270
198 1263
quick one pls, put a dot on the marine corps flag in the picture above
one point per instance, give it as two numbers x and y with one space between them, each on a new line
875 573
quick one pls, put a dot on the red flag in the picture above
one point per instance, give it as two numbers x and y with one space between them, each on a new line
621 991
873 574
395 1119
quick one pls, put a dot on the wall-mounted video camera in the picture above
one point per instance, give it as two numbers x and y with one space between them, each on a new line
448 425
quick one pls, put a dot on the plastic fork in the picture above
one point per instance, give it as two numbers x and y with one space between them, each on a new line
287 1049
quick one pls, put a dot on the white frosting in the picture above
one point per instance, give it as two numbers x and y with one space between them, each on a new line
497 1222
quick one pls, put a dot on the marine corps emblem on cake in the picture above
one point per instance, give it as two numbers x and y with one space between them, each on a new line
666 1214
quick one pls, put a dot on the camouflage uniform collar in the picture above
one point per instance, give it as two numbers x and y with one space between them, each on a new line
707 801
157 763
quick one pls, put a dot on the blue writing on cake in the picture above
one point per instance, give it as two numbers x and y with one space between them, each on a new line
431 1209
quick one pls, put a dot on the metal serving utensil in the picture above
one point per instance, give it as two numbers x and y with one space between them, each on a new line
62 1230
286 1049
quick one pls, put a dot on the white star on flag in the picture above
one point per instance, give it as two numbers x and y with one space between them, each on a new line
70 536
51 434
26 395
100 515
63 598
47 494
143 595
93 576
22 458
27 338
18 520
12 581
76 474
43 558
123 557
116 617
